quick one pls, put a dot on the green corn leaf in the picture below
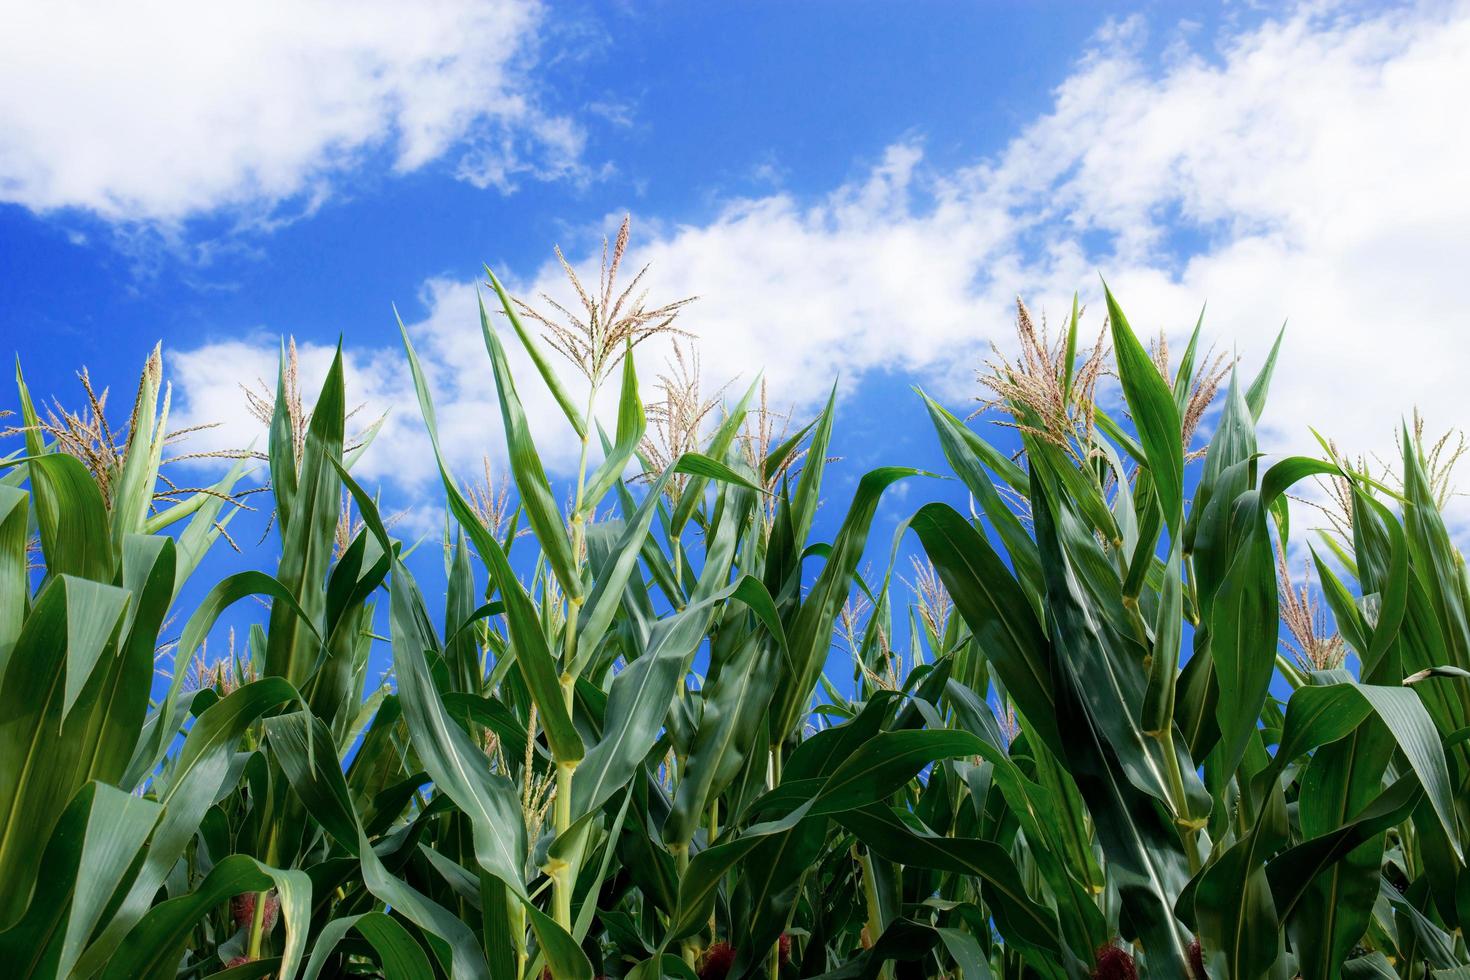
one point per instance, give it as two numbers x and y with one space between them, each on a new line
460 649
41 748
467 960
735 703
884 763
307 538
780 457
1021 919
810 634
962 449
491 714
1158 701
303 746
133 492
301 743
525 462
1154 413
1418 935
282 447
1103 750
767 889
399 955
120 706
716 450
458 767
1069 356
640 695
205 524
631 425
92 615
1235 910
561 951
191 787
1293 469
71 517
588 911
156 943
813 761
1374 966
1292 871
661 967
603 602
992 603
708 868
1328 894
1110 427
1184 377
538 358
1255 395
1013 476
1063 852
30 421
1243 628
533 655
171 712
1390 579
1327 711
89 857
15 586
809 484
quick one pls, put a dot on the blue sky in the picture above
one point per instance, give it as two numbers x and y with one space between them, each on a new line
855 190
683 107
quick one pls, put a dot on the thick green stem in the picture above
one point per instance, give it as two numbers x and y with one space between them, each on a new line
578 522
516 920
1182 818
688 948
257 925
870 895
564 875
709 841
257 919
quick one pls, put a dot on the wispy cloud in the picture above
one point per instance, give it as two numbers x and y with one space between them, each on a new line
1310 168
165 110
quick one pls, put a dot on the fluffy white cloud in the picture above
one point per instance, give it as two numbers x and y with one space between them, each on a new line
451 350
165 109
1309 169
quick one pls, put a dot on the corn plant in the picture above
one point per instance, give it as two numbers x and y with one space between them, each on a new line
1071 743
1244 815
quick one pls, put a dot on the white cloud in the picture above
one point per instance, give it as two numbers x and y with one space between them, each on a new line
1311 168
166 109
451 349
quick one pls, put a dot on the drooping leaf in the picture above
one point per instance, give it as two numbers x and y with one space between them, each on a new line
157 941
398 954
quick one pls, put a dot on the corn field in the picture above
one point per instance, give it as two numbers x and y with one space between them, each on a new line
1101 734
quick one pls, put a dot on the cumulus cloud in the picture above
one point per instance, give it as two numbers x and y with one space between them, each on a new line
451 349
1310 169
163 110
